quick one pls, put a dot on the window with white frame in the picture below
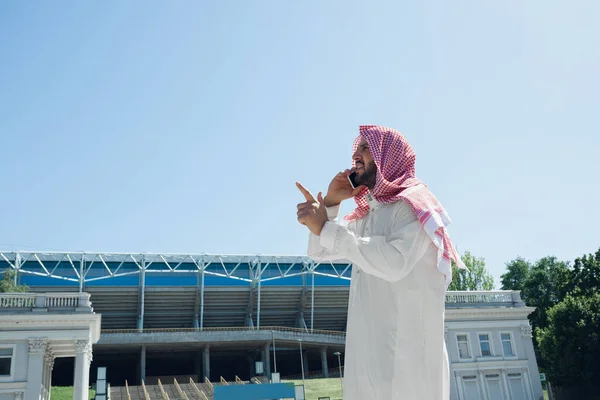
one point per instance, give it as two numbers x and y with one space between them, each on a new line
485 344
463 345
6 361
507 345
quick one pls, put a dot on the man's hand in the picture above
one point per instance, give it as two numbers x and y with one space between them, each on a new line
340 189
312 213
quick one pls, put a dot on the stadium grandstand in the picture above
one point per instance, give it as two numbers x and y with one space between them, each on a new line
187 315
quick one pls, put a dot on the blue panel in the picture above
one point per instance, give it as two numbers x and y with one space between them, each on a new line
291 281
35 280
256 392
329 281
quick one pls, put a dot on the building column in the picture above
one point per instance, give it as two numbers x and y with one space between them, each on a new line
505 383
532 367
459 385
35 368
305 360
83 358
206 363
49 366
527 381
267 359
482 383
252 367
198 367
143 364
324 362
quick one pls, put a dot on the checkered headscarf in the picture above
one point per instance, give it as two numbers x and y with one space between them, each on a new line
395 161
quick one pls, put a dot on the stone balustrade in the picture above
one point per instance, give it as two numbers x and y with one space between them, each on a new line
508 298
40 302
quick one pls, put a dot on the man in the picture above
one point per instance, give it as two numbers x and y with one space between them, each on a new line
401 254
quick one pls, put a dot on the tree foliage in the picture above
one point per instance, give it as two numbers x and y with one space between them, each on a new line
7 283
567 316
570 344
517 272
477 277
545 286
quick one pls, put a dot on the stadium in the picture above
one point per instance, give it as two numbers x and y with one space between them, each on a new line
198 315
213 317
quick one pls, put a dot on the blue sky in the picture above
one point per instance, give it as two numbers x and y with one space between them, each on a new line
182 126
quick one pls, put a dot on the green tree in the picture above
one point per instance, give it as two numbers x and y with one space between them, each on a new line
586 274
477 277
7 283
570 344
517 273
546 285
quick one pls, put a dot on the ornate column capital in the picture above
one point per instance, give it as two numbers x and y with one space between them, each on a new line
38 345
84 347
526 331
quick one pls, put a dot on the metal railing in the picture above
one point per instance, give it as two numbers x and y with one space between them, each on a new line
227 329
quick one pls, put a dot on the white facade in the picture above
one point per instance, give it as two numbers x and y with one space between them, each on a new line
490 347
36 328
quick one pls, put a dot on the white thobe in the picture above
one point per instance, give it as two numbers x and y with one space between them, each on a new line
395 348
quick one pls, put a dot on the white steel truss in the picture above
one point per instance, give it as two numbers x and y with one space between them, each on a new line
84 267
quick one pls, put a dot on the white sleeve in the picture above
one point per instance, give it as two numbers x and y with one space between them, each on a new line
315 250
391 258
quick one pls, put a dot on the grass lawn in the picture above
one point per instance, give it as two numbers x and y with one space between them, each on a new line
66 393
315 388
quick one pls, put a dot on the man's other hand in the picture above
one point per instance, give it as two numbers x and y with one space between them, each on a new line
312 212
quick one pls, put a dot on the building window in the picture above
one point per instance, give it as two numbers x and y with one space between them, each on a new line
507 346
484 344
6 362
463 345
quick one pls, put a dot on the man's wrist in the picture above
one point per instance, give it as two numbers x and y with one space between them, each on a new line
331 203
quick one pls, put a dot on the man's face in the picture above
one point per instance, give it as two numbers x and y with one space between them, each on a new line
366 170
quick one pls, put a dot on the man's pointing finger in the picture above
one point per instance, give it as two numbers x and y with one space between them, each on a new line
307 195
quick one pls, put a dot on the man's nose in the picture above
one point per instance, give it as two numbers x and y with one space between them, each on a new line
356 156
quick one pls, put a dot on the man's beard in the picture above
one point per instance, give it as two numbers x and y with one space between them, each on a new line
369 176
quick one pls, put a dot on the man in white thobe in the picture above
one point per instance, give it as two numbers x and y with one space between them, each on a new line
401 255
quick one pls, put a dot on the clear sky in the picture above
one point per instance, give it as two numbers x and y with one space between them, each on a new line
153 126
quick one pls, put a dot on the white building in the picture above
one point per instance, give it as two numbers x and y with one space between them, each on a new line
490 347
36 328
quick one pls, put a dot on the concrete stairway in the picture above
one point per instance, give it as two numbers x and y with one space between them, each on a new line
193 391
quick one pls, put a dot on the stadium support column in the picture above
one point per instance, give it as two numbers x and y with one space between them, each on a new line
267 359
17 267
305 360
324 362
141 297
202 297
143 364
258 308
199 308
81 272
206 363
312 306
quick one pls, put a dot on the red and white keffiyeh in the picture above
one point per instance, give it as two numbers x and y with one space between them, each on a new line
395 161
